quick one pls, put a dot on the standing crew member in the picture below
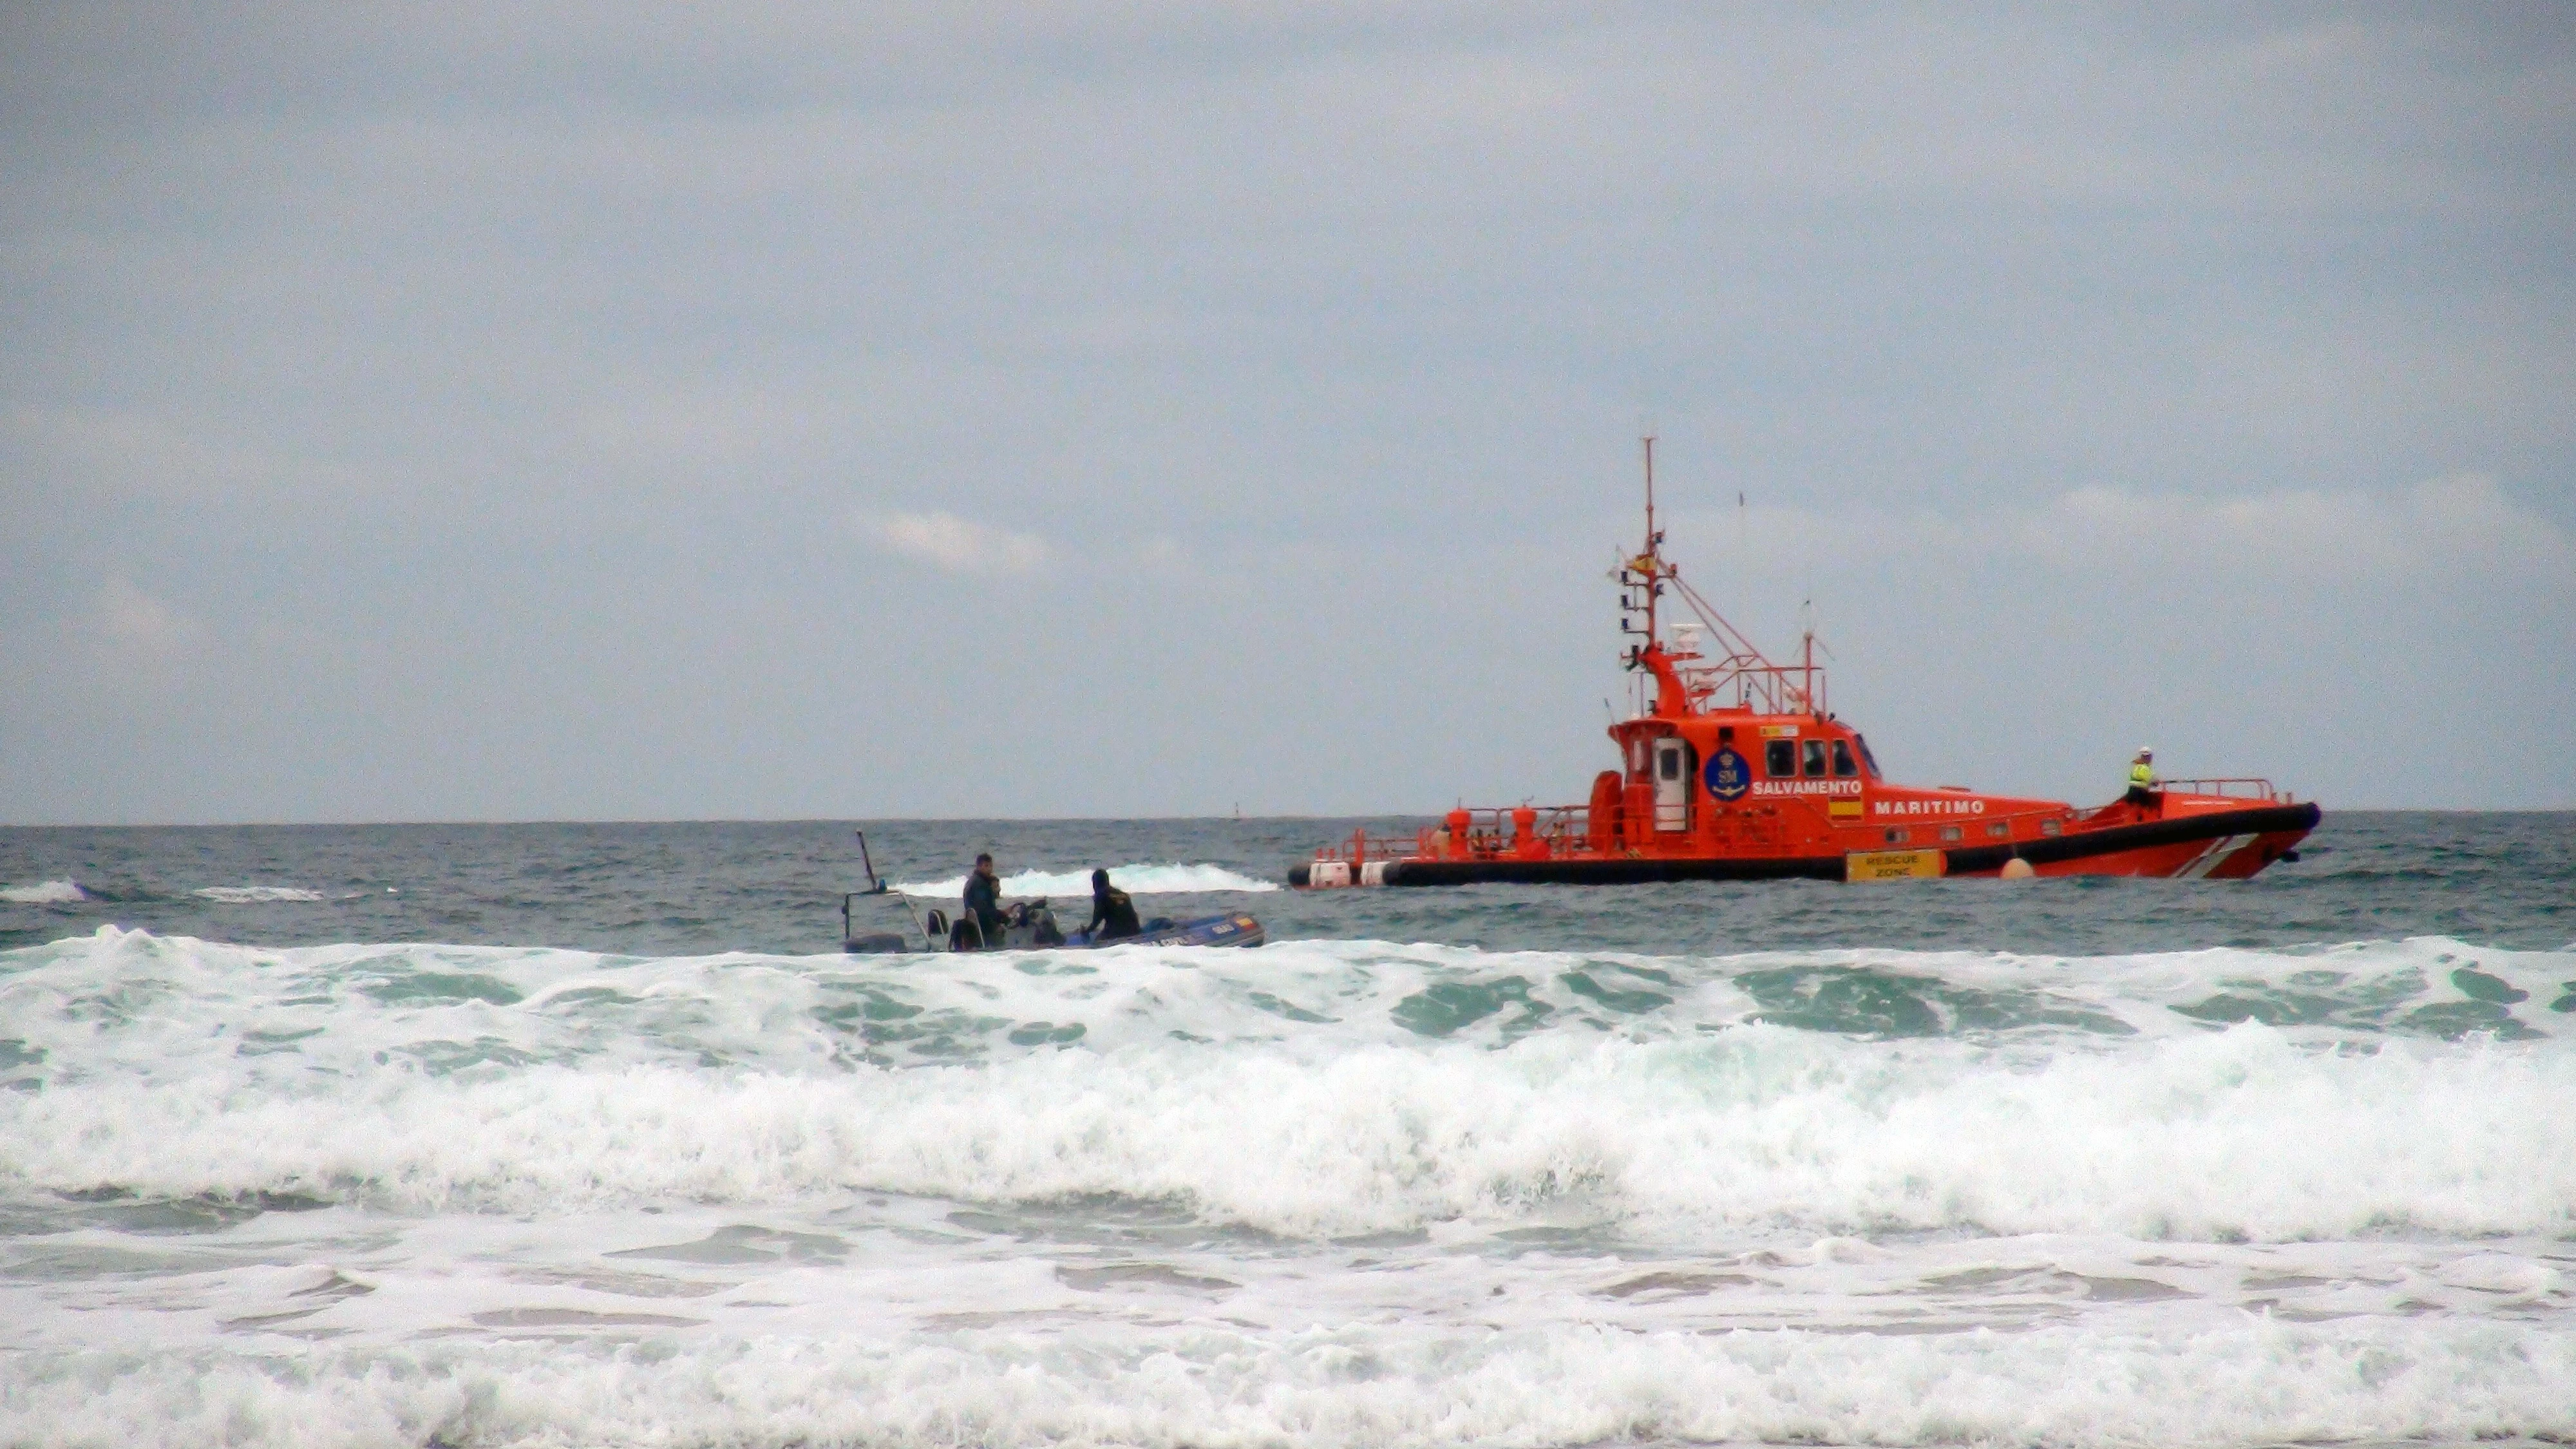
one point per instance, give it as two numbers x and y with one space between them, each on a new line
984 901
1113 916
2143 781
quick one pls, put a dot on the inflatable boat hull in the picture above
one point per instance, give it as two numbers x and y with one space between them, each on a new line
1235 929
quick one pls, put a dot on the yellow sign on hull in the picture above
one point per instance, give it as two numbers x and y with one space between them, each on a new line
1892 865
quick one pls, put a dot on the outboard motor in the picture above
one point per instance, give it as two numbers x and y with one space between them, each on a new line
1041 924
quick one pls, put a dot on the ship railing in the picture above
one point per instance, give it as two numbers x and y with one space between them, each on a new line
1491 833
2234 787
1734 674
1360 846
1744 682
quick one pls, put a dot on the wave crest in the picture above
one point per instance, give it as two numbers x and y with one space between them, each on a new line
2241 1135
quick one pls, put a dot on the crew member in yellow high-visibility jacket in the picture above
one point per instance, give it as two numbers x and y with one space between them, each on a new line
2143 781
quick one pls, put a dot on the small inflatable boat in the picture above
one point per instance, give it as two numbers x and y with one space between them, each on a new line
1032 927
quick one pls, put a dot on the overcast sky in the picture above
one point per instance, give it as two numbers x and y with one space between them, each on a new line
569 411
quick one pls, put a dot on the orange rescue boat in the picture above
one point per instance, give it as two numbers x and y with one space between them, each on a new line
1736 770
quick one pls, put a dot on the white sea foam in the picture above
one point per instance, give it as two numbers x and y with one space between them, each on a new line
1538 1198
1281 1088
1138 880
266 895
2240 1135
1206 1382
44 893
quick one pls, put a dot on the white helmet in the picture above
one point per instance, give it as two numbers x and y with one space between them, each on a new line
2146 752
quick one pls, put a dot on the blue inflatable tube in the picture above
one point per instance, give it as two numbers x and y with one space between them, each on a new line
1234 930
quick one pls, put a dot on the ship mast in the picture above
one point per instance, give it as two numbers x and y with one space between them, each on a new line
1686 681
1653 556
1641 589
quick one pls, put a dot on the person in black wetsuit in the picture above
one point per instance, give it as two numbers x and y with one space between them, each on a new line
1113 916
984 902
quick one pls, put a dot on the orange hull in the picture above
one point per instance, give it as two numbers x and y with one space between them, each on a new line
2223 839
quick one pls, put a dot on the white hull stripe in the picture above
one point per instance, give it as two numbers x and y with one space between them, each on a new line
2208 860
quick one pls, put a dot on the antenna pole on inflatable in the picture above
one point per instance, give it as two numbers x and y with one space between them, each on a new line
876 887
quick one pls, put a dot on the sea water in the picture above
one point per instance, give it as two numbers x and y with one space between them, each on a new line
589 1134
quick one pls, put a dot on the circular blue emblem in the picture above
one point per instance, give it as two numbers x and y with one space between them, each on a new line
1727 775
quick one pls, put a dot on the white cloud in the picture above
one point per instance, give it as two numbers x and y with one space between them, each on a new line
89 453
2464 521
141 627
958 545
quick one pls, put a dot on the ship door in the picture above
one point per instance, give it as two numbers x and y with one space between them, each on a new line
1672 783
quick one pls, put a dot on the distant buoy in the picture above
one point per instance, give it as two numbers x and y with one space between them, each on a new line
2018 869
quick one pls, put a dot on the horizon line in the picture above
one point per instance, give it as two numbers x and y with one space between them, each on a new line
840 820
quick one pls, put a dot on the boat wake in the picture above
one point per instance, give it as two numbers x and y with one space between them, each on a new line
1136 880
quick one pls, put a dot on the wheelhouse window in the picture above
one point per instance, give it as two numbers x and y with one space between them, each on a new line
1815 761
1866 758
1668 764
1844 766
1780 757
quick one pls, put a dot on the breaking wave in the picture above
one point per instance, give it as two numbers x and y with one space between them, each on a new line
1321 1193
44 893
1305 1089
